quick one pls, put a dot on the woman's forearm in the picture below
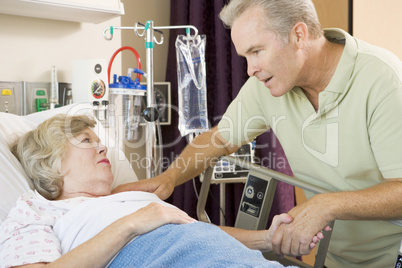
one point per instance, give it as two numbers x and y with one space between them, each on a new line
258 239
253 239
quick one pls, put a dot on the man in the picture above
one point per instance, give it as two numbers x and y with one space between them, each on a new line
335 104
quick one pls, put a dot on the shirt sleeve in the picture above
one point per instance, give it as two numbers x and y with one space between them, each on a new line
27 236
385 129
244 119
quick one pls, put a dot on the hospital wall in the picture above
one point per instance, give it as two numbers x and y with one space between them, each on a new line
378 22
30 46
373 21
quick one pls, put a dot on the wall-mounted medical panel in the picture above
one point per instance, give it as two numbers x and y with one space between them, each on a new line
11 97
36 96
90 85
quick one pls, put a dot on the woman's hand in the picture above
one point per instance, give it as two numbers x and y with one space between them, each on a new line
276 222
155 215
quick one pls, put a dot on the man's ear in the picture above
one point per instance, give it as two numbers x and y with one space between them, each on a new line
299 34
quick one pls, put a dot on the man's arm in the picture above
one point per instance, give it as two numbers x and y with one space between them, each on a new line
379 202
201 153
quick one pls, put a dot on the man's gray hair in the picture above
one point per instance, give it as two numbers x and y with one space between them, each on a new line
281 15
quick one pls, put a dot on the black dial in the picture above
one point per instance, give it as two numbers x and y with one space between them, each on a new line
98 89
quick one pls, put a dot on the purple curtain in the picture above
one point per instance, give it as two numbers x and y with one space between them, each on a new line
226 73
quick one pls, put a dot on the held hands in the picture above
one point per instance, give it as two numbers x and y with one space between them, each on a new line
300 236
284 219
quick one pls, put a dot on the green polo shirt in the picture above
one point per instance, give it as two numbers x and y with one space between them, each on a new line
352 142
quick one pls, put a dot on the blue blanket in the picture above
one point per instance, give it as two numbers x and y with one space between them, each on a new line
188 245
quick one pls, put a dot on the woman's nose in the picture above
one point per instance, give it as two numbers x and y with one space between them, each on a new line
101 148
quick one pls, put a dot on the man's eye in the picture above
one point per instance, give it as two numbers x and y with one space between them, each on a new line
86 140
256 51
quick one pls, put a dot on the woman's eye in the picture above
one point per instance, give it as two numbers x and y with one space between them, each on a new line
86 140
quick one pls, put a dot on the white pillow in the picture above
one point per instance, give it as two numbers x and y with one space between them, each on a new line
13 179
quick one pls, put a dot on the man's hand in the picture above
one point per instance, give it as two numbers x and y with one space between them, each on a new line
295 238
159 185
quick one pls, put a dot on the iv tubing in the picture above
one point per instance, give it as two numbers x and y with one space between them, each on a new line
137 56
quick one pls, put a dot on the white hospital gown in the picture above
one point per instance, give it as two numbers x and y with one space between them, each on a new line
39 230
27 235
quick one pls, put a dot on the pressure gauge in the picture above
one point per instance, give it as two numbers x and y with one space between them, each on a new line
98 89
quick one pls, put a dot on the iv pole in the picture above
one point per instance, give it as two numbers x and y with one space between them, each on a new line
150 40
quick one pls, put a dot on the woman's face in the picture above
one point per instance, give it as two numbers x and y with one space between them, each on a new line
87 170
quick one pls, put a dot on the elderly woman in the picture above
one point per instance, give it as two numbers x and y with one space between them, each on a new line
73 220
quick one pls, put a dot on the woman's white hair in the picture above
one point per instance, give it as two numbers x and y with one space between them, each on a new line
281 15
41 151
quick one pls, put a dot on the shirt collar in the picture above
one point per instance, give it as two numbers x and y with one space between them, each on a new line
346 64
345 67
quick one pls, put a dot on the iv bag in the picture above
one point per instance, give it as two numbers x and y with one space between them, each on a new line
191 79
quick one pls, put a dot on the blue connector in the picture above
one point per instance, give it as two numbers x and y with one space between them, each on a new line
126 82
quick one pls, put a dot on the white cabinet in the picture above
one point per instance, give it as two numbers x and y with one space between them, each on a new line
93 11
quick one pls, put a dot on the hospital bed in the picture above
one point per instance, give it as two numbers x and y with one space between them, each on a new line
256 203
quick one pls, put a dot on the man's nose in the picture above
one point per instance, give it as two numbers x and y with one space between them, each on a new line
252 68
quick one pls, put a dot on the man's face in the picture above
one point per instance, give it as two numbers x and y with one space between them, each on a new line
275 64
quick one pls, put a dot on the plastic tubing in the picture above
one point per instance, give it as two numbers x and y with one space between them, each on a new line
137 56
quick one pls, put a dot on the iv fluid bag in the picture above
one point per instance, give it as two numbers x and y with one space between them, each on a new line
191 79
